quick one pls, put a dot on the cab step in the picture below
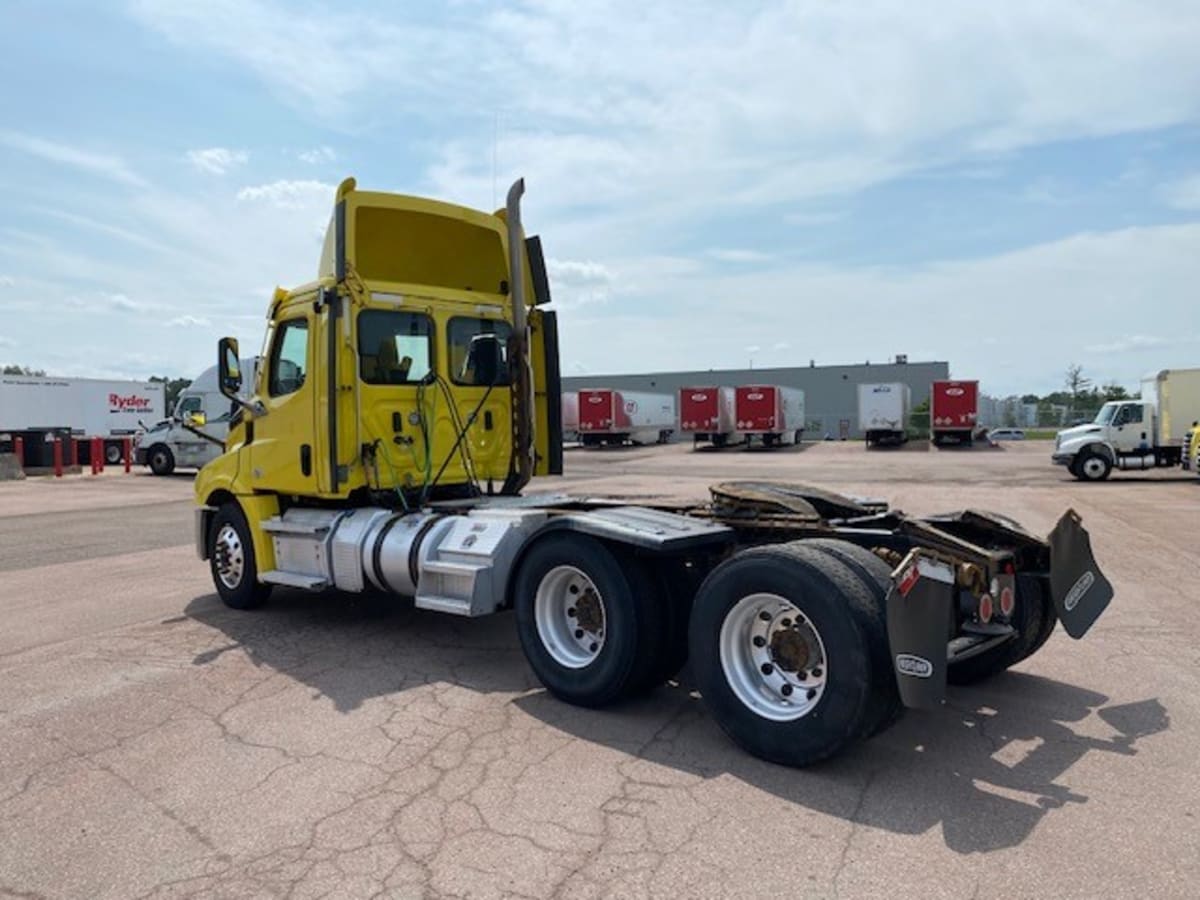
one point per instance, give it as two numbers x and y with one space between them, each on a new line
294 579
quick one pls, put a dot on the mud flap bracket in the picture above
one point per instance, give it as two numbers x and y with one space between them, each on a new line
919 606
1077 586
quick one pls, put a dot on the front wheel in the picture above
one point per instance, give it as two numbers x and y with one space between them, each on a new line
161 460
232 560
1092 466
779 652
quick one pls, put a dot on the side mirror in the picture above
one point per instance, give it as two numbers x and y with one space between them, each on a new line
484 365
196 419
230 373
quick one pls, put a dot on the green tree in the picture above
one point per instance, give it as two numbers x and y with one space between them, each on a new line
173 387
1076 384
1113 391
23 370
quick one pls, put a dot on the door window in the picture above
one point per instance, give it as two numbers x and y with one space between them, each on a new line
464 368
394 347
289 358
1130 415
187 406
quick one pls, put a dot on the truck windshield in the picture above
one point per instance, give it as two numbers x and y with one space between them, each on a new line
1106 413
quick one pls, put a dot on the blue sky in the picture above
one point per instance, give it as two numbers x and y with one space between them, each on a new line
1010 188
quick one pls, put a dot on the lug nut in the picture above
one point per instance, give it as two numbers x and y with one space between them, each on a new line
785 623
594 647
760 641
802 675
811 693
574 589
767 668
571 612
786 690
578 634
765 616
817 672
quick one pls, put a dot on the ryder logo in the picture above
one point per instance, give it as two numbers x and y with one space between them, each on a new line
128 403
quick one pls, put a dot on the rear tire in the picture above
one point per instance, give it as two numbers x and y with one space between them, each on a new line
161 460
112 454
884 705
232 561
588 620
762 620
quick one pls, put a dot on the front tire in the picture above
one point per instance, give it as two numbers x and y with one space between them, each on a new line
161 460
1092 466
232 561
112 454
588 620
780 655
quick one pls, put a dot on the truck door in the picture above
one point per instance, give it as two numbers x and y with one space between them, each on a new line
283 454
189 449
1131 431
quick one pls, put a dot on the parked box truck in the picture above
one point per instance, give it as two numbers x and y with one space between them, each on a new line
883 412
954 411
88 407
770 413
178 440
707 414
1150 431
608 416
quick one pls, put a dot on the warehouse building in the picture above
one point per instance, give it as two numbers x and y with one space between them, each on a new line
830 392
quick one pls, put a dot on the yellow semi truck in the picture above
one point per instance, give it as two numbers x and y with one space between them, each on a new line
406 397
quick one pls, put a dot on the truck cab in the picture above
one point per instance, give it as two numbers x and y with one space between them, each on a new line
1122 435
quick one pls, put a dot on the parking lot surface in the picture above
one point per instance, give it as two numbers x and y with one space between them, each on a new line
155 744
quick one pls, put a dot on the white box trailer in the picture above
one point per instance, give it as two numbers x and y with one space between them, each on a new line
884 411
173 442
90 407
772 413
1175 394
570 415
609 416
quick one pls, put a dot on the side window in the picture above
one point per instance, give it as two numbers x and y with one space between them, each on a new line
474 362
394 347
289 358
1133 414
188 405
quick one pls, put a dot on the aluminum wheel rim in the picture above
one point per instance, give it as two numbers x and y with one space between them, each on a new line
230 557
773 658
1093 467
570 617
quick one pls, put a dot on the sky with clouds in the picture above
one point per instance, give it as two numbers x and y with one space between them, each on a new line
1009 187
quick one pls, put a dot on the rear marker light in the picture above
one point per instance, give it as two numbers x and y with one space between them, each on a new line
985 608
1007 602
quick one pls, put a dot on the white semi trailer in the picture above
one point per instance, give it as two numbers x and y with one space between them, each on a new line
90 407
883 412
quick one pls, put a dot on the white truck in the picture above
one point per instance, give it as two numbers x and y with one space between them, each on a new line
883 412
89 407
1135 434
196 430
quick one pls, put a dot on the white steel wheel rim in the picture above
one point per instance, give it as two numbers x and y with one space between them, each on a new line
230 556
773 658
570 617
1093 467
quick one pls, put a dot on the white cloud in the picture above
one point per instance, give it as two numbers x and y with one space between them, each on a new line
572 271
189 321
1184 193
217 160
111 167
124 303
290 194
317 155
735 255
7 281
1132 342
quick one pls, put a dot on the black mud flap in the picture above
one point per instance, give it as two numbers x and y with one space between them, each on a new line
1078 587
918 609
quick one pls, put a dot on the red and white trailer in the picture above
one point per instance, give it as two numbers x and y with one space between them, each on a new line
770 412
954 411
608 416
707 414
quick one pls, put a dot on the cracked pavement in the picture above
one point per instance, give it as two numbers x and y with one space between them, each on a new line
154 744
